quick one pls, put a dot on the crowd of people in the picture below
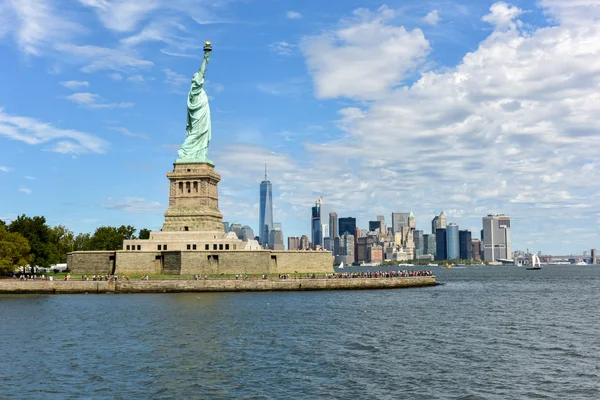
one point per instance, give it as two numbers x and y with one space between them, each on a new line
380 274
33 277
338 275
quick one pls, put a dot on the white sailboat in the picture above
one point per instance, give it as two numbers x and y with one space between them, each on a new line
535 262
341 265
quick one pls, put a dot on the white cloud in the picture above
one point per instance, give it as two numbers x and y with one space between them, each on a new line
156 31
509 129
103 58
6 169
365 57
283 48
175 78
432 18
135 78
25 190
572 12
36 24
127 132
503 15
74 84
134 205
34 132
92 100
122 15
116 76
293 15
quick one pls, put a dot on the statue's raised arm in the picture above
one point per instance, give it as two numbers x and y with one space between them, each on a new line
207 50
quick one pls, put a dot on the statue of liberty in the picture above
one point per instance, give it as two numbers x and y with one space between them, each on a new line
198 129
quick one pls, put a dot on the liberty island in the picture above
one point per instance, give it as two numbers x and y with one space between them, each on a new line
193 242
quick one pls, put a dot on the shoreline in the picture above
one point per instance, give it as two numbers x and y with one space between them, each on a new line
14 286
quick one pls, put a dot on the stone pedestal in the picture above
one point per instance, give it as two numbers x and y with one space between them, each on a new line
193 199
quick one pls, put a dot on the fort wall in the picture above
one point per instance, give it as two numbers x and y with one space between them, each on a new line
199 262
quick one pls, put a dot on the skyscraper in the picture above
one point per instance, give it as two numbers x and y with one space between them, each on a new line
418 239
441 252
265 221
452 242
374 226
496 237
325 230
429 244
400 219
304 245
465 244
316 236
347 224
439 222
276 237
333 225
293 243
381 219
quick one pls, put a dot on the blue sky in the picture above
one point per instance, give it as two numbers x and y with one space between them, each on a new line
471 107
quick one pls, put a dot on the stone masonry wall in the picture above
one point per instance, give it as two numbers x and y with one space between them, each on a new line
225 262
289 262
210 285
91 262
142 262
202 262
172 264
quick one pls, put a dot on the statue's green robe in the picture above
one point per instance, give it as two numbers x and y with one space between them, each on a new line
198 123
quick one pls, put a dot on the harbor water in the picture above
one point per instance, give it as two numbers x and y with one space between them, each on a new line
484 333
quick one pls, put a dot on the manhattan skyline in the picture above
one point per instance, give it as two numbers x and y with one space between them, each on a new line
470 107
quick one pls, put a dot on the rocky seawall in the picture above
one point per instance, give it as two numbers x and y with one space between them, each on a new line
211 285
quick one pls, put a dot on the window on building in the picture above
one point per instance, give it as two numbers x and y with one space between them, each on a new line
159 247
221 246
186 228
194 247
227 246
214 246
180 187
139 247
164 246
189 247
187 187
206 247
128 247
195 187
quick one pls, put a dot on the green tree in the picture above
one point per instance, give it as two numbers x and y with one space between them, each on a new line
14 250
81 242
144 234
62 242
128 232
111 238
38 234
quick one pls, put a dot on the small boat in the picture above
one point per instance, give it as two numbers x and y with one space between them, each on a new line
341 265
535 262
432 265
447 266
581 263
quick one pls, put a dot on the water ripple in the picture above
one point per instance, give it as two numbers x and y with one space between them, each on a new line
487 333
